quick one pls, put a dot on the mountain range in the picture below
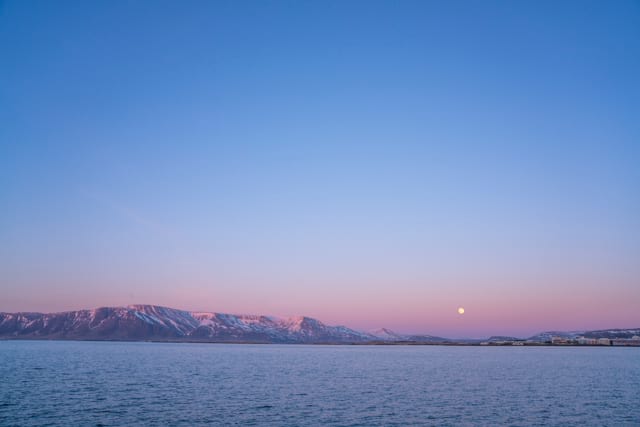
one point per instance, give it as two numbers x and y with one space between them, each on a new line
150 322
156 323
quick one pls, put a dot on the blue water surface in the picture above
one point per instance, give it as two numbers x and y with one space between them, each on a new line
66 383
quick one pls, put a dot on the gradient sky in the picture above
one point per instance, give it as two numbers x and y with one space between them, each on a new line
366 163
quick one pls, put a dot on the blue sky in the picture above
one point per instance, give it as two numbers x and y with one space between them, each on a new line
368 163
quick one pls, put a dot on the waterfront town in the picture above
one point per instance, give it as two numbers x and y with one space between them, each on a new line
571 341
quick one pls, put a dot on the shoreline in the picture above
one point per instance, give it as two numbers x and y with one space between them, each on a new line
363 344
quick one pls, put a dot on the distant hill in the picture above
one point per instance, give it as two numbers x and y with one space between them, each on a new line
546 336
150 322
156 323
500 338
613 333
603 333
385 334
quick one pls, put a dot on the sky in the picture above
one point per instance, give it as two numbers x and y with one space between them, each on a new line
367 163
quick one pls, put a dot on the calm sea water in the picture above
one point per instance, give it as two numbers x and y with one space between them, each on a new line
126 384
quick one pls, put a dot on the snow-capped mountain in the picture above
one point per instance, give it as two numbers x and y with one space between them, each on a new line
546 336
150 322
600 333
385 334
613 333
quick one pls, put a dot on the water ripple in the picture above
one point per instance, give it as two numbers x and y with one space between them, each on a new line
115 384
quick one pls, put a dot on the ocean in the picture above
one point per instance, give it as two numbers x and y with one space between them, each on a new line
69 383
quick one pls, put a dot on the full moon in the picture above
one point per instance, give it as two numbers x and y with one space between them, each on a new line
460 310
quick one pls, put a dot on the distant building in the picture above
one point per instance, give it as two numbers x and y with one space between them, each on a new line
604 341
560 341
626 342
587 341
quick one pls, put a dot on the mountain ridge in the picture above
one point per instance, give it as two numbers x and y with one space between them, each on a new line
146 322
152 322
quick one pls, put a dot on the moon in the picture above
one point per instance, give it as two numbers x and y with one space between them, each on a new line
460 310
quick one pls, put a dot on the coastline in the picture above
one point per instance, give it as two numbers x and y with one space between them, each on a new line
362 344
